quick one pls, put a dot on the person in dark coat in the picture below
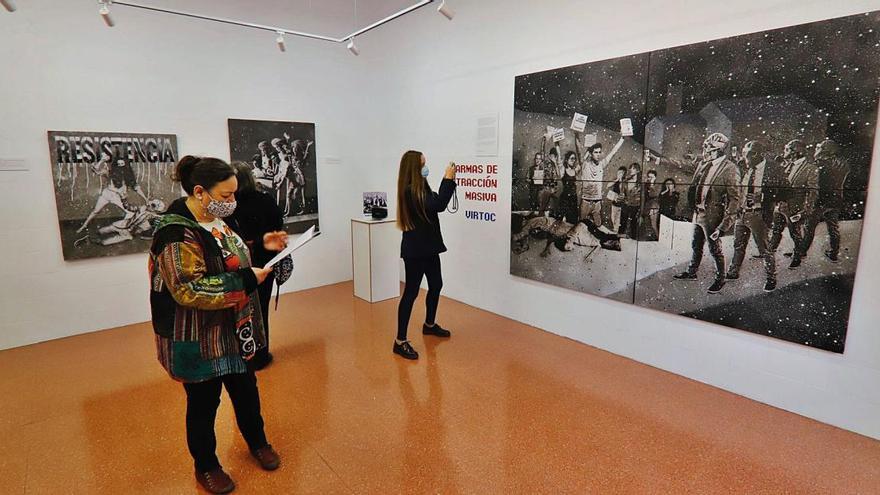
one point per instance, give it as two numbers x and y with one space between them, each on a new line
669 200
422 243
257 216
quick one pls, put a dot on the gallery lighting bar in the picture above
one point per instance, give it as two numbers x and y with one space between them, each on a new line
104 10
349 38
445 10
353 48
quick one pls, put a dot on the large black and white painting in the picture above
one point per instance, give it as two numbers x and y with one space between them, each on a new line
109 189
724 181
282 157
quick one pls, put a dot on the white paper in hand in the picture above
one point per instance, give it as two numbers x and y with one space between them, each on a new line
579 122
626 127
304 238
590 139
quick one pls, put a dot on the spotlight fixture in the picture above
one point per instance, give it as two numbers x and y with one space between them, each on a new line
8 5
280 41
352 48
104 10
446 11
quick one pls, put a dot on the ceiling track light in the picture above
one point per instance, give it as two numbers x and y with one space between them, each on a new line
8 5
445 10
104 10
353 48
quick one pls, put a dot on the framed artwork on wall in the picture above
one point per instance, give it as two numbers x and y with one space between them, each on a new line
109 189
282 157
724 181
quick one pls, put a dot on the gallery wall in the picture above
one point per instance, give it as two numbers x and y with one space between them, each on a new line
440 84
63 70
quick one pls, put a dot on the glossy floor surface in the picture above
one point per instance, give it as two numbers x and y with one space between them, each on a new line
500 408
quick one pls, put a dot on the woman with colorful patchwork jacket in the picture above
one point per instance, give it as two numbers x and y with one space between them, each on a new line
206 315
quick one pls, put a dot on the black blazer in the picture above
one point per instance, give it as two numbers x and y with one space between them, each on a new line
425 239
256 214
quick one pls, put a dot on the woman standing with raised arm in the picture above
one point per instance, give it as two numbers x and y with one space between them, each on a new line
417 209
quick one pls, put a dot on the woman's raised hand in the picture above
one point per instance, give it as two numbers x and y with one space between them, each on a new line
275 241
450 171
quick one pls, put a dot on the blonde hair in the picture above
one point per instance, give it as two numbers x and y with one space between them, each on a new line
410 179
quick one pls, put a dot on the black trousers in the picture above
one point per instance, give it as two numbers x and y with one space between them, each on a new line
699 240
202 400
831 216
534 190
795 229
629 221
416 268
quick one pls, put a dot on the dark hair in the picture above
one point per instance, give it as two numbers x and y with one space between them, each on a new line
411 189
622 169
553 152
759 148
652 171
569 155
192 171
120 157
669 179
541 153
594 147
636 166
246 182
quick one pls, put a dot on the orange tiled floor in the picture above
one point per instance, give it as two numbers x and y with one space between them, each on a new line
500 408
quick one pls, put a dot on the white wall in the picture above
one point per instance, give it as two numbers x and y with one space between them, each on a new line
61 69
419 83
439 82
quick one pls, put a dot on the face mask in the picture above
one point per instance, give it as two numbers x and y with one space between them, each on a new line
220 209
425 171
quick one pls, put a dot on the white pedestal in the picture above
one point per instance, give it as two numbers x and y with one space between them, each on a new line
375 255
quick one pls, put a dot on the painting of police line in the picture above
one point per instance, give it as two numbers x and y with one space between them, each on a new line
282 158
110 188
737 194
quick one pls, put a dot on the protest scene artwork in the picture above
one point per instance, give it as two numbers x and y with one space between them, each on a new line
374 199
110 188
724 181
282 158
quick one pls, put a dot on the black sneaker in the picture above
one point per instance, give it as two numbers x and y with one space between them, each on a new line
405 350
685 276
731 275
770 286
795 262
716 286
831 255
788 255
757 256
436 330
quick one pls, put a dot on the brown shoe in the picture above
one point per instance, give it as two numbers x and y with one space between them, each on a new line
267 457
216 481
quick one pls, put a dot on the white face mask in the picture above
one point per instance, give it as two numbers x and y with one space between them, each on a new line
425 171
220 209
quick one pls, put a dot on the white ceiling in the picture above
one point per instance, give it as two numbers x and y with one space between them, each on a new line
334 18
